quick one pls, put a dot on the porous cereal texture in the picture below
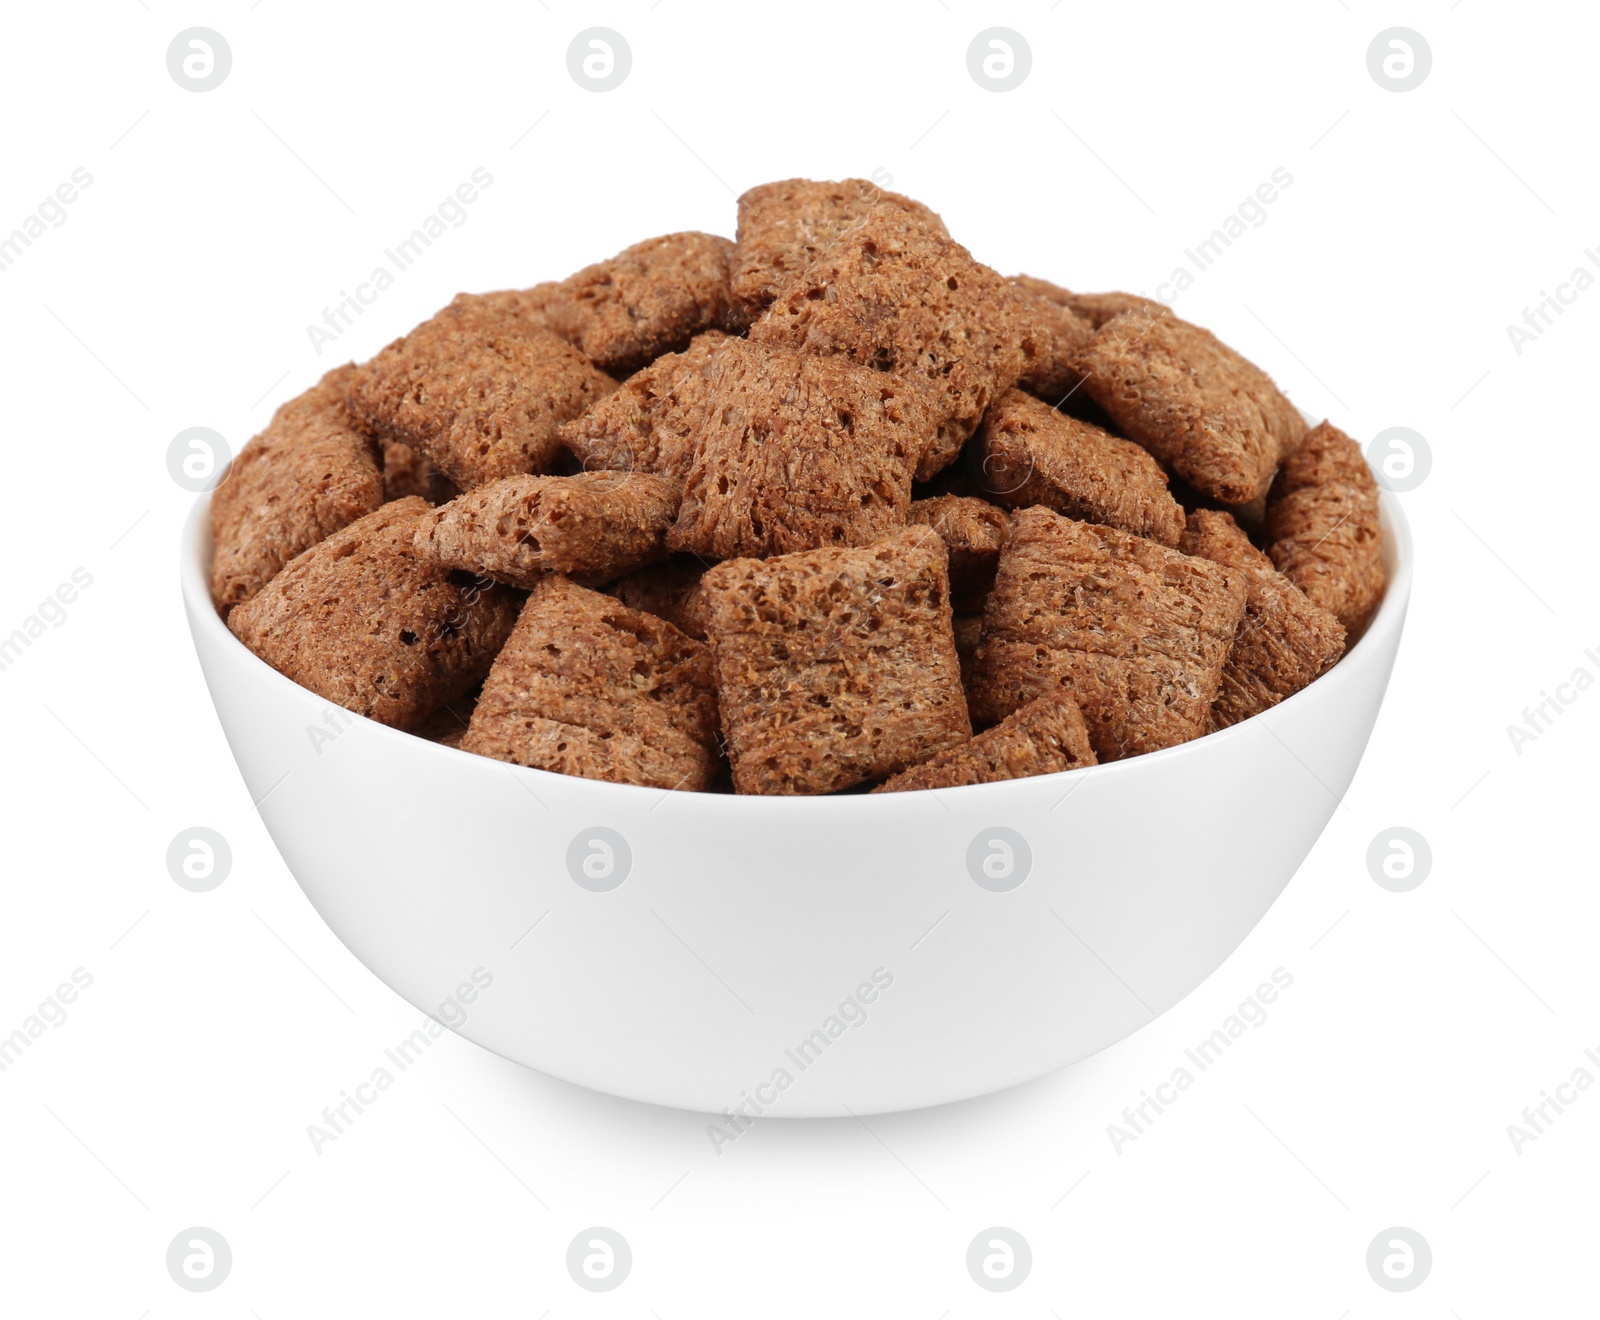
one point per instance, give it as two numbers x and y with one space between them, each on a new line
795 452
835 666
784 226
1028 453
1322 526
311 472
1043 737
1136 633
898 295
476 390
652 422
1198 406
591 527
586 686
1284 642
363 623
649 299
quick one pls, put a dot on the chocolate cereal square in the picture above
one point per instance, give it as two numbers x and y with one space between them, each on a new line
650 424
1135 633
796 452
1043 737
1285 641
366 625
591 527
900 296
974 531
1028 453
1198 406
835 666
647 300
784 226
310 473
477 391
1322 527
586 686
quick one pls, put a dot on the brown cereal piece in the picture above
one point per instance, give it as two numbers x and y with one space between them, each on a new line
1055 337
784 226
1043 737
974 531
1285 641
898 295
650 423
797 451
1198 406
586 686
647 300
477 391
1215 535
448 725
1322 526
669 590
835 666
1135 633
311 472
406 472
364 624
1028 453
591 527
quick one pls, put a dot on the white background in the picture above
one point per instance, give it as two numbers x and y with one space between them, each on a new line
177 294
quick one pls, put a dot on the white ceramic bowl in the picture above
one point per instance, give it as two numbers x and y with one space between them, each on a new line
745 926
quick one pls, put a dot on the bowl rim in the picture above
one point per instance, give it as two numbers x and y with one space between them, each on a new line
1399 555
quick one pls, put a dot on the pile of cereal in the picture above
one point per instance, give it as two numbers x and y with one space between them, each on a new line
828 507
